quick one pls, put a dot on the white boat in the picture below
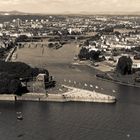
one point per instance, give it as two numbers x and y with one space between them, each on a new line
20 117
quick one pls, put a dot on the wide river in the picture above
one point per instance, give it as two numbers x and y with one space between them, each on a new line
71 121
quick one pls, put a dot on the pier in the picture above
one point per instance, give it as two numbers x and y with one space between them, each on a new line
81 95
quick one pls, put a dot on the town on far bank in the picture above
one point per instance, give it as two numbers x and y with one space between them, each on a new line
44 57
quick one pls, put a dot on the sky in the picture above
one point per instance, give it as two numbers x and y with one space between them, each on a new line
71 6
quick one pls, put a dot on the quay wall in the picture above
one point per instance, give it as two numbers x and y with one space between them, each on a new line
6 97
55 98
72 95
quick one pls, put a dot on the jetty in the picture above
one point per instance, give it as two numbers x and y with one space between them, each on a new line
82 95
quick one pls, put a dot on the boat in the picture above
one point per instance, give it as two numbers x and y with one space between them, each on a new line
20 117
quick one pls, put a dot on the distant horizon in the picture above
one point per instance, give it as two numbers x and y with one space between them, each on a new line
72 13
71 6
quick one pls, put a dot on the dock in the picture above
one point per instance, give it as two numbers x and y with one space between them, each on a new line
81 95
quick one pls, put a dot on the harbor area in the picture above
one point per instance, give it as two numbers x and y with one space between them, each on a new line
76 83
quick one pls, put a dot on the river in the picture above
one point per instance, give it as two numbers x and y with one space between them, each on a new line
73 121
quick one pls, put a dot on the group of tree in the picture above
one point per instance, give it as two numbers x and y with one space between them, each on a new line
56 45
22 38
11 74
20 70
9 84
86 54
124 65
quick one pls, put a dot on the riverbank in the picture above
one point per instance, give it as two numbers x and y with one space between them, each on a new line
107 75
72 95
108 78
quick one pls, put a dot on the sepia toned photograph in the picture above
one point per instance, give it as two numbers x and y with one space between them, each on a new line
69 69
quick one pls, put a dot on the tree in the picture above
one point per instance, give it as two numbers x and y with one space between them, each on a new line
11 74
50 45
124 65
84 54
20 70
9 84
22 38
10 45
86 43
14 87
94 55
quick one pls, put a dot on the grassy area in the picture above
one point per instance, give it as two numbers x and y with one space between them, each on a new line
38 55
